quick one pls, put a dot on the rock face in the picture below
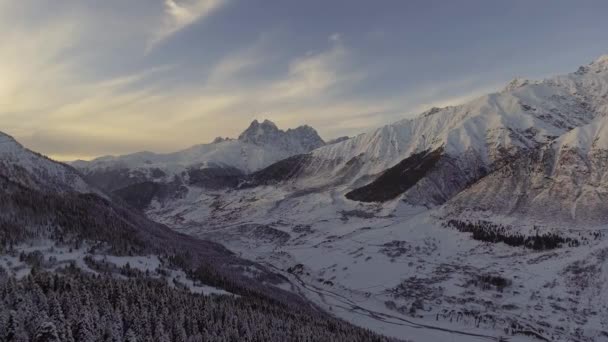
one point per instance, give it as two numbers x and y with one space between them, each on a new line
300 140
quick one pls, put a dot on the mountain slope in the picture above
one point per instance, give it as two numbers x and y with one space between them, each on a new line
476 137
31 169
566 182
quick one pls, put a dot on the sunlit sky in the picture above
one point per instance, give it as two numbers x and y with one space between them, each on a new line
85 78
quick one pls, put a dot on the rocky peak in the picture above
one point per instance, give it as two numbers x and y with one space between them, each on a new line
260 133
306 136
301 139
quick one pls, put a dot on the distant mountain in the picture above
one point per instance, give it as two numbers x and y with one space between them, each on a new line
300 140
214 165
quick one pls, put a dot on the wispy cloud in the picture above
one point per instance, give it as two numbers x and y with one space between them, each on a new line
312 74
178 14
57 101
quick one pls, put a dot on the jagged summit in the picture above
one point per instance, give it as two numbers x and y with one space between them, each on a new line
259 133
303 138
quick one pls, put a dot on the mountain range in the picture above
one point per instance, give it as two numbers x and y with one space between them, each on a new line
482 221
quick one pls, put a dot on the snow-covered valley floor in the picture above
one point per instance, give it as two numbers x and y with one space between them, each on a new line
397 270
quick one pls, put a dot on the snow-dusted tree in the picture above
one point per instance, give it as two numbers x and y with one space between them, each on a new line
47 332
130 336
14 329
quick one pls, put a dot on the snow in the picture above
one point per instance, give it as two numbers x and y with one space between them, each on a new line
348 244
593 136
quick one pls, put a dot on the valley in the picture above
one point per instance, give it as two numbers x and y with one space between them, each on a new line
480 221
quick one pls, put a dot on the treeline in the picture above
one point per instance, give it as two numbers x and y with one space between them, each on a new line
78 307
491 232
76 220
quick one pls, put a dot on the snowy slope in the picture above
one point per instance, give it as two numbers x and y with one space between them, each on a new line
351 258
475 137
31 169
564 183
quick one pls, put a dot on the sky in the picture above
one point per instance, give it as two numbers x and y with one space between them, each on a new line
85 78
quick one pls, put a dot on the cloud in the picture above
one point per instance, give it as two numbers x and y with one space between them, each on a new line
229 68
335 37
59 101
315 75
179 14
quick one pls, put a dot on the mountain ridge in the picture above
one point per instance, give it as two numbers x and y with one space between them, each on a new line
456 221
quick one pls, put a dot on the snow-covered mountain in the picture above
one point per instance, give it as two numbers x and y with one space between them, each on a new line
300 140
31 169
219 163
473 139
470 222
564 182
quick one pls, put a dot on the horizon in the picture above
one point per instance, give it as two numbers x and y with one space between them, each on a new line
89 80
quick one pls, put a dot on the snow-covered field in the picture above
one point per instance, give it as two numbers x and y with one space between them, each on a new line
396 269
